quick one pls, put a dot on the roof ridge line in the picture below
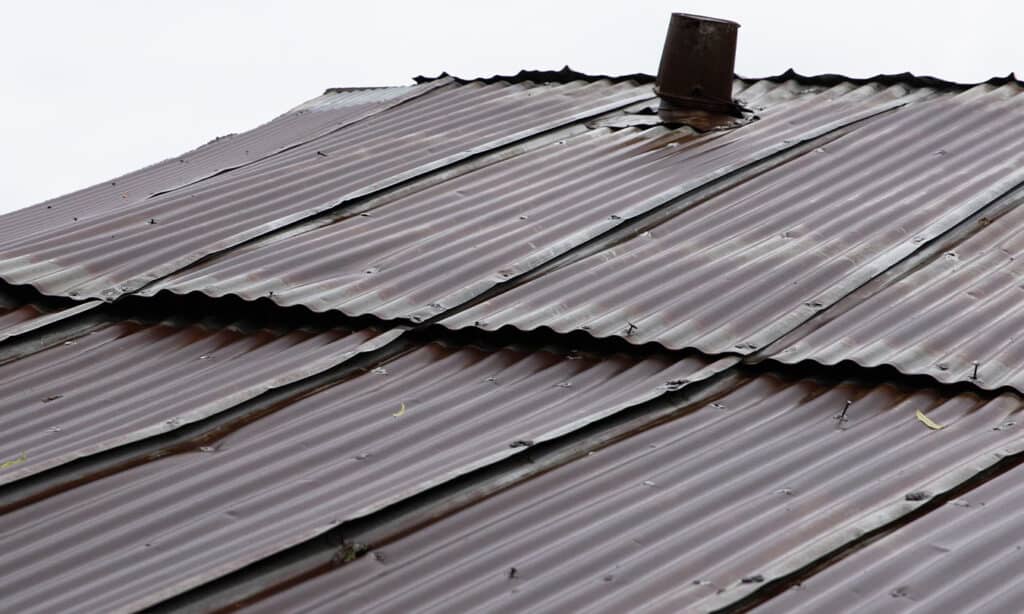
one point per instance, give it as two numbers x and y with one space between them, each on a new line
566 74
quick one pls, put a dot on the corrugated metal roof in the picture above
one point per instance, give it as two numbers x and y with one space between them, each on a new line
304 122
436 248
738 488
962 306
746 266
963 557
123 381
123 250
561 202
157 529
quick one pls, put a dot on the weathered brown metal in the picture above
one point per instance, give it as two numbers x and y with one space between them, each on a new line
473 231
697 63
962 557
342 452
739 270
710 506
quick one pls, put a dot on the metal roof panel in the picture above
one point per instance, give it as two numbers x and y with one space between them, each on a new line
738 271
713 501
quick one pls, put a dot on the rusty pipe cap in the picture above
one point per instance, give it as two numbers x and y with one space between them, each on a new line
697 64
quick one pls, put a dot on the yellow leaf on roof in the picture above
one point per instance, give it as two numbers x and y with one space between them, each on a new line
925 420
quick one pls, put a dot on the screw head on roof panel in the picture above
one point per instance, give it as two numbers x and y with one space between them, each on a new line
697 63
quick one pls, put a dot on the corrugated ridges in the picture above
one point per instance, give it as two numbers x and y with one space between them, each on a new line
434 249
682 511
963 557
150 532
125 381
122 251
301 123
744 267
962 306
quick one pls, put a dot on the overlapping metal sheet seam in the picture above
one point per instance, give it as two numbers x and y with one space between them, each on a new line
122 252
961 557
346 450
124 382
307 121
29 318
432 250
747 266
960 308
666 518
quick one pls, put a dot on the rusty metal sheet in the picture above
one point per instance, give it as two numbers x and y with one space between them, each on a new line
306 121
961 307
123 250
345 451
741 269
708 506
961 557
438 247
125 381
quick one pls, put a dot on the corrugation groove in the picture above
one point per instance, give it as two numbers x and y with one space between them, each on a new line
125 380
119 252
669 516
962 557
303 122
434 249
739 270
142 535
962 306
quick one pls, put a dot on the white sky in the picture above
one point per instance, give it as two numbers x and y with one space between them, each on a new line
90 90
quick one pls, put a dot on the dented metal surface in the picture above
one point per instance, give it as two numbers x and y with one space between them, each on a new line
664 520
958 317
124 381
961 557
436 248
347 450
304 122
741 269
123 250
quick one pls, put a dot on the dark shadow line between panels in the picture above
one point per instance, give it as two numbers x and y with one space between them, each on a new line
213 313
228 169
230 312
633 227
355 538
912 263
422 177
189 438
359 537
424 89
778 586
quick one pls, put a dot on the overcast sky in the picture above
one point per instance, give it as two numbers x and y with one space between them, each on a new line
91 90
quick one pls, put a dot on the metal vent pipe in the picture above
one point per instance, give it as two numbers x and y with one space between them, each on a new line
697 64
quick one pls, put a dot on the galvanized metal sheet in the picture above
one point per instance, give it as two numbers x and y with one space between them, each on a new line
347 450
123 250
436 248
962 307
304 122
741 269
709 502
962 557
125 381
